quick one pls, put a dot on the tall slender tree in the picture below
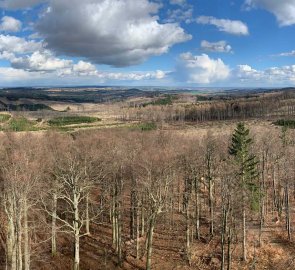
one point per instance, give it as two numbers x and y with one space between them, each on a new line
247 173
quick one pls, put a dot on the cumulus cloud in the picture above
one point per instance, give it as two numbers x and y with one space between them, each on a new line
275 75
12 77
10 24
220 46
283 10
19 4
282 74
84 68
45 63
40 61
229 26
117 33
247 73
17 45
201 69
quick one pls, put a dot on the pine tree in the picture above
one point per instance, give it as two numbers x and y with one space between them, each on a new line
247 172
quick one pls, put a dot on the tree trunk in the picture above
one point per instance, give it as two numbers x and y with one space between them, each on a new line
244 235
142 219
77 252
113 218
211 206
197 209
26 238
119 236
150 241
53 225
244 216
137 233
133 203
19 236
288 222
229 249
11 237
223 232
87 221
188 233
76 233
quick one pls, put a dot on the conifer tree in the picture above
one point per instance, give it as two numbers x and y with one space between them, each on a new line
247 173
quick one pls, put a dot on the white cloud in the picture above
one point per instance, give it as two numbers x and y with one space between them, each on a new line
224 25
117 33
11 74
10 24
6 55
17 45
44 62
19 4
284 10
292 53
247 73
284 75
281 74
40 61
159 74
220 46
87 69
132 76
12 77
84 68
178 2
180 15
104 76
201 69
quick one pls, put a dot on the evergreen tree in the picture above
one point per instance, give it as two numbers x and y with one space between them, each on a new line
247 173
247 162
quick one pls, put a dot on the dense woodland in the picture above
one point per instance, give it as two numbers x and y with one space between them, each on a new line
121 199
262 106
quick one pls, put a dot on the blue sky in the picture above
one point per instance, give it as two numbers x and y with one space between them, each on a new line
193 43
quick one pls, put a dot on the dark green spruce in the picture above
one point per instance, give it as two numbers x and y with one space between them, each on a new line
247 174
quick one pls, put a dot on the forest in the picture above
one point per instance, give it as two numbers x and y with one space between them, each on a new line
157 199
257 105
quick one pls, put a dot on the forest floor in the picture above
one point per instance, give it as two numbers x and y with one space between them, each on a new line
97 253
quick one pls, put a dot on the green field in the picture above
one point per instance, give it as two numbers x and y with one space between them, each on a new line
20 124
72 120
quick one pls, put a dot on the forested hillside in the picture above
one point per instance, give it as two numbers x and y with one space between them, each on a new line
121 199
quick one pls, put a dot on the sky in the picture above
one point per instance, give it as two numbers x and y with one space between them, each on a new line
180 43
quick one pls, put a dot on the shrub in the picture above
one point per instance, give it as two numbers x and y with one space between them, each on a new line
147 126
21 124
285 123
4 117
